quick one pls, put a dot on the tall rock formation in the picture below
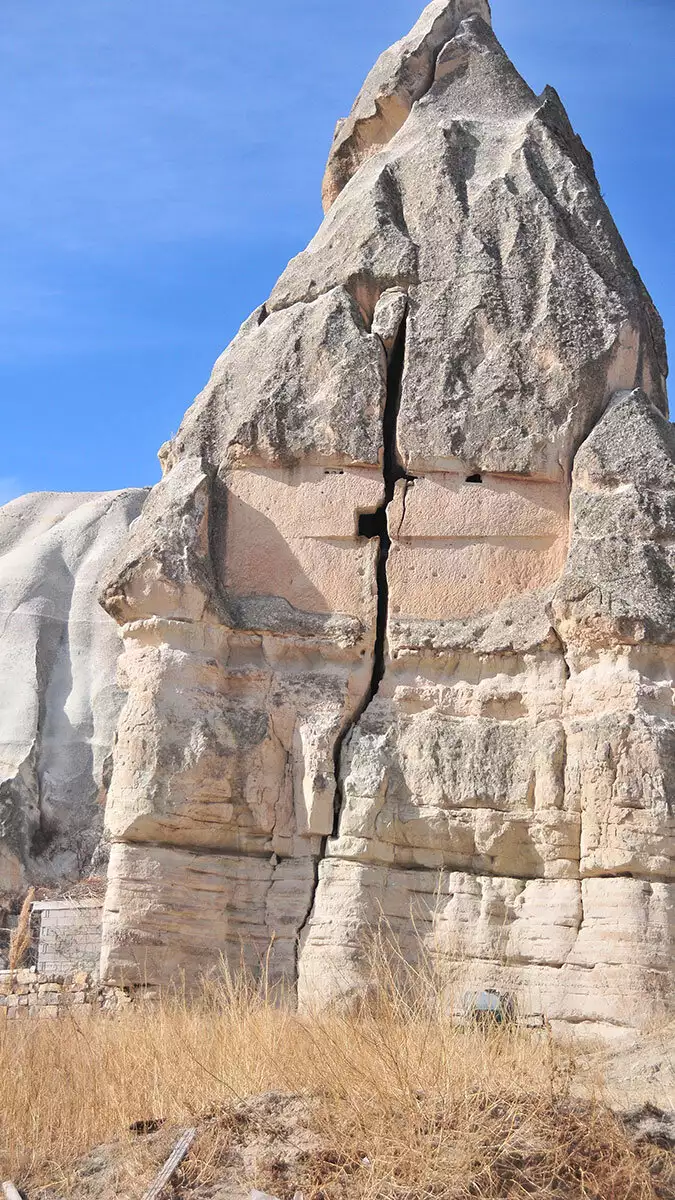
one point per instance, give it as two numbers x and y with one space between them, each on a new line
399 619
59 701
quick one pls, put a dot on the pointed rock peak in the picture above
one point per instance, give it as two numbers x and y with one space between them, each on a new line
400 77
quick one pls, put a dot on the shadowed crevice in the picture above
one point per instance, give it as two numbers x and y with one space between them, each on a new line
375 525
371 525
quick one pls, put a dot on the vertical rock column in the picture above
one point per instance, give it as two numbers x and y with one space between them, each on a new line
614 609
248 599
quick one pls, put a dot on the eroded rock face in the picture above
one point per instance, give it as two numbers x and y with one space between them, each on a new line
402 75
59 700
398 620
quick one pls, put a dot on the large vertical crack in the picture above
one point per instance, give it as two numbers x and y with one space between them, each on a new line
375 525
371 525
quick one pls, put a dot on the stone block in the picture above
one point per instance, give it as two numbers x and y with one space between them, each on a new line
49 1012
26 976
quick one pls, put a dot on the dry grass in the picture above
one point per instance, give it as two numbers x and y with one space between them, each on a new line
21 938
393 1102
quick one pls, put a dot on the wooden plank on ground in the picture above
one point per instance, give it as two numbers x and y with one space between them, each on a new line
10 1192
171 1165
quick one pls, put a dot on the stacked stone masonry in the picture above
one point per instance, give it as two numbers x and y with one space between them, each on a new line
26 994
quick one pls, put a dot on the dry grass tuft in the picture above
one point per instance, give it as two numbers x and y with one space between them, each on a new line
391 1102
21 938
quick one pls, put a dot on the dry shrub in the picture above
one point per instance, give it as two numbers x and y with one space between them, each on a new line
389 1101
21 938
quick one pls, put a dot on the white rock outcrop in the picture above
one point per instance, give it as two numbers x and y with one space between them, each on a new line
399 619
59 701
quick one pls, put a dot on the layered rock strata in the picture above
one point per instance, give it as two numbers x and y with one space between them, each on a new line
59 700
398 620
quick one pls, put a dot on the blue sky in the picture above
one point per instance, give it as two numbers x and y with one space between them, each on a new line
163 160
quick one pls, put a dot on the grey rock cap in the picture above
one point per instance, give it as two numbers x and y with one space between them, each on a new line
401 75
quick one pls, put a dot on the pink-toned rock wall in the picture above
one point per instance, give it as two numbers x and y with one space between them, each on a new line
461 548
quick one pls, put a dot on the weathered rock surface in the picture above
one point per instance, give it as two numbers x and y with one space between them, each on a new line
399 619
402 75
59 701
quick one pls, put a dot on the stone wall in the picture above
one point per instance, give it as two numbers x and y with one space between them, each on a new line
29 993
70 936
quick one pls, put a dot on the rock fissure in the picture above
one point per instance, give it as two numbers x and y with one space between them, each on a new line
302 927
371 525
213 851
375 525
